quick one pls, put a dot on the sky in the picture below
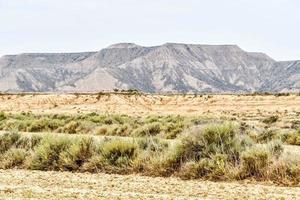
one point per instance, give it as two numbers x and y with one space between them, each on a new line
269 26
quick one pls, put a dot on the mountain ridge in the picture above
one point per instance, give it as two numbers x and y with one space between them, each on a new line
171 67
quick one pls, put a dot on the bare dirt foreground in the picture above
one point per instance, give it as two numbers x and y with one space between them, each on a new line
22 184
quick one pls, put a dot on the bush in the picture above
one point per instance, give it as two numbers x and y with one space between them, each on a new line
118 153
120 130
267 136
211 140
46 155
275 148
151 129
295 124
294 173
293 138
122 125
70 128
78 153
102 130
15 125
284 173
45 125
95 164
165 163
152 144
7 140
2 116
172 130
194 170
271 120
28 142
12 158
214 168
254 162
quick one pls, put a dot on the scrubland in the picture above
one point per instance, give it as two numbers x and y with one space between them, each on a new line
188 137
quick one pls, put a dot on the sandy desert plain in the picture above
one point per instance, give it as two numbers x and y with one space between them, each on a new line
149 146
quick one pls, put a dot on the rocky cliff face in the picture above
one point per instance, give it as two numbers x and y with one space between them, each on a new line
167 68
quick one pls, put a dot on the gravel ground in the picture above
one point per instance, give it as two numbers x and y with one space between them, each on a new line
23 184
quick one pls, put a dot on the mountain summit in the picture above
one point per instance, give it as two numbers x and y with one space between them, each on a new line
171 67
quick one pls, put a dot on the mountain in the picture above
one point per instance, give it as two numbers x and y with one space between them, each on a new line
170 67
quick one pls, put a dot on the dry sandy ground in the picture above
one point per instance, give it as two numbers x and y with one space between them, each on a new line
250 109
151 104
21 184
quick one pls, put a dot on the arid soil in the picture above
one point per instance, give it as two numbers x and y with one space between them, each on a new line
251 109
151 104
20 184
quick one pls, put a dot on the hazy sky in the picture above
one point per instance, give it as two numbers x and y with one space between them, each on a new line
270 26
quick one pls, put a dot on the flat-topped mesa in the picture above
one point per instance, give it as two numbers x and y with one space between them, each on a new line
123 46
171 67
212 46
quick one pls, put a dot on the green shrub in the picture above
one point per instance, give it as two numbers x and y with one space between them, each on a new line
46 155
39 125
282 172
7 140
85 127
167 162
294 172
219 165
152 144
293 138
121 119
99 119
275 147
194 170
214 168
78 153
271 119
12 158
120 130
172 130
46 124
267 136
148 130
119 152
151 119
174 119
70 128
122 125
108 121
255 162
2 116
211 140
15 125
295 124
28 142
97 163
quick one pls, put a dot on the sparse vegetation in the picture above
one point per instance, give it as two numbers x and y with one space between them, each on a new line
293 138
271 119
255 162
122 125
230 145
214 152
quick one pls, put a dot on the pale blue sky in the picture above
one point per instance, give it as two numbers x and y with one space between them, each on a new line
270 26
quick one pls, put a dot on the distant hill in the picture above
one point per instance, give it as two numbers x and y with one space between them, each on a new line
170 67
